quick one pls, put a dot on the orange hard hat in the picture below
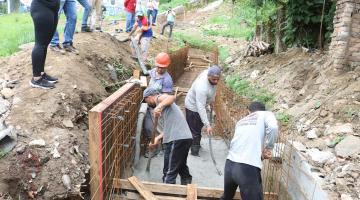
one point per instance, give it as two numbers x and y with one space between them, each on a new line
162 60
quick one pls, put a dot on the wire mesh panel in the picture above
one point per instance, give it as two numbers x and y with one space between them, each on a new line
178 63
112 139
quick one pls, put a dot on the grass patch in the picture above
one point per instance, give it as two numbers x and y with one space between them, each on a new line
194 41
283 117
244 88
15 29
224 53
166 4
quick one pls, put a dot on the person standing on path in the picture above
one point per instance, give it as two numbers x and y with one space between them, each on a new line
130 6
155 11
45 18
150 10
201 93
69 8
144 37
253 141
176 136
170 21
96 15
87 9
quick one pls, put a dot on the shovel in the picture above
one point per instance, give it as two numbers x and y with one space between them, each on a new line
210 147
151 151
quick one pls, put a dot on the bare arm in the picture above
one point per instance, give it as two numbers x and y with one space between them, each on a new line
163 101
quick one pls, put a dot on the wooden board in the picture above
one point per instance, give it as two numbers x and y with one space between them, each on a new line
147 194
136 74
143 81
202 192
191 192
95 155
136 196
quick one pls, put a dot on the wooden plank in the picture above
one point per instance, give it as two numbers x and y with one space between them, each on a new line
112 98
147 194
136 196
183 89
95 155
136 74
202 192
176 91
191 192
143 81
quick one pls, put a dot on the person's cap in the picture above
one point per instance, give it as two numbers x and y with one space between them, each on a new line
149 92
139 13
214 71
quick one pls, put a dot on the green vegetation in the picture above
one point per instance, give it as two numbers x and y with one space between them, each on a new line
15 29
283 117
166 4
194 40
224 52
244 88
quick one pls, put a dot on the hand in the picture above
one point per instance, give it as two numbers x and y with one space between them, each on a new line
157 111
209 130
266 154
156 143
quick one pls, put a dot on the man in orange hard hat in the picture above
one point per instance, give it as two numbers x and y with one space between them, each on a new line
161 81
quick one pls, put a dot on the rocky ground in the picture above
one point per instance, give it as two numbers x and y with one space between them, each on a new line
324 109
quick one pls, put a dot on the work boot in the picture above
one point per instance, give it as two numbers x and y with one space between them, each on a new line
186 181
195 150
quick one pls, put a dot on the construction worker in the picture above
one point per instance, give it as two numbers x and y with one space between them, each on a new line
176 136
161 81
253 140
201 93
144 37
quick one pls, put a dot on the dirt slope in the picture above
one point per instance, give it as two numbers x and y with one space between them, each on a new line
58 116
320 101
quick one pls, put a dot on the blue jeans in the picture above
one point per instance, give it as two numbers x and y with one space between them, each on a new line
154 15
130 20
69 8
87 9
150 13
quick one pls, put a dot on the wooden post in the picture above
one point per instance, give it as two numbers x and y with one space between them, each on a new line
191 192
95 154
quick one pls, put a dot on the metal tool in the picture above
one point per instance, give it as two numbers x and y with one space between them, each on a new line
210 145
151 152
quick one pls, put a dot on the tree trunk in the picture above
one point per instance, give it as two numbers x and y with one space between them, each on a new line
279 44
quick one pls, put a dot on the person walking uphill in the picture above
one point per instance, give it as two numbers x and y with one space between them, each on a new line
129 6
253 140
176 136
45 17
201 93
170 20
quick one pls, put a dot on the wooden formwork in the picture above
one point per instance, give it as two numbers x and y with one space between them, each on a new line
112 126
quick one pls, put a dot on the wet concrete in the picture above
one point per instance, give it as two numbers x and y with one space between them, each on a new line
201 168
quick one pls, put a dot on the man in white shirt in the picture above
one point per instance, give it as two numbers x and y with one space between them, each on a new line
201 93
253 141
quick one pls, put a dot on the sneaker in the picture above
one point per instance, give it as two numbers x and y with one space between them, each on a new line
41 83
57 48
49 78
85 29
72 49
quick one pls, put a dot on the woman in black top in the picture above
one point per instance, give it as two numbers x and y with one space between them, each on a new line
45 17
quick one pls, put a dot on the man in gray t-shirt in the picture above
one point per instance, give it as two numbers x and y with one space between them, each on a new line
253 141
176 135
